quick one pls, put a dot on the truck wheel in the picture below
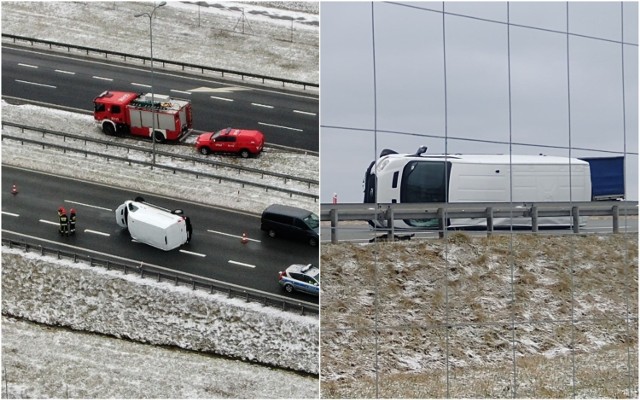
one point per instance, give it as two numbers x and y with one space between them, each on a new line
159 137
244 153
108 129
205 150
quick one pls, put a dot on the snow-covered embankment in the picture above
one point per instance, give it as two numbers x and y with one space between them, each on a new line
64 293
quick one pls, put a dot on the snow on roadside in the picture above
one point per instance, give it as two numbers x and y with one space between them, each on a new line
282 43
140 178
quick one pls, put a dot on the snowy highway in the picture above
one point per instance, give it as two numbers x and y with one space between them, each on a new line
286 118
215 252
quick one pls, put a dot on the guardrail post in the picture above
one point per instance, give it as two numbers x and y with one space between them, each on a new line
441 223
615 213
534 219
389 216
333 214
575 213
489 212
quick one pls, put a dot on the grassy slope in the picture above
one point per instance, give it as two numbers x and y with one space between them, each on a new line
526 290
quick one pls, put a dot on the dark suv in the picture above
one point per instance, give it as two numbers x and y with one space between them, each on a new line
290 222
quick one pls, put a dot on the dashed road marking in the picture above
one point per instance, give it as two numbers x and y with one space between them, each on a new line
36 84
180 91
140 84
27 65
87 205
65 72
102 78
233 236
261 105
304 112
192 253
220 98
97 232
241 264
280 126
10 214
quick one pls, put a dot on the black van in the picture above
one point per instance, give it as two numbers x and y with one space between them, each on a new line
290 222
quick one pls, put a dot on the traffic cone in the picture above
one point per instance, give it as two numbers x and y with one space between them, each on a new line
14 189
244 239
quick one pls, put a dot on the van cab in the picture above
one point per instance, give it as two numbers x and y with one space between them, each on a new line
291 222
239 141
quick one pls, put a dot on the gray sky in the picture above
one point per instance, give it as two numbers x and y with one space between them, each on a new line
410 83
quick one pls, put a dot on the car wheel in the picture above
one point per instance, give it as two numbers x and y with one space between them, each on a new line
205 150
272 233
158 136
139 199
108 129
244 153
288 288
313 242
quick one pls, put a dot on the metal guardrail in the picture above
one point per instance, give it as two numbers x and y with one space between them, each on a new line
184 66
178 279
149 164
387 213
162 153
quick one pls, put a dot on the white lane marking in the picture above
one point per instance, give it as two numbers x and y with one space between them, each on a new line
241 264
261 105
233 236
49 222
102 78
87 205
192 253
180 91
304 112
65 72
224 89
10 214
97 232
27 65
221 98
36 84
280 126
140 84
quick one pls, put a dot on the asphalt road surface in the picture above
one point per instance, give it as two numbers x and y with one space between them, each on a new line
215 251
285 117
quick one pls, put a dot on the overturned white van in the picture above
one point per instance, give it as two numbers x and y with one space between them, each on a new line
153 225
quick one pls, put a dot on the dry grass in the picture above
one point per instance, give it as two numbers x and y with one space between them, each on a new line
472 310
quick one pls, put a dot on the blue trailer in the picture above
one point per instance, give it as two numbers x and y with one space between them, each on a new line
607 177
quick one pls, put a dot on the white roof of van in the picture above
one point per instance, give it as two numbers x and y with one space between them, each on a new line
152 215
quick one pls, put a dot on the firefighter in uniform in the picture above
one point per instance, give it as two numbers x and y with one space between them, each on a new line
64 221
72 221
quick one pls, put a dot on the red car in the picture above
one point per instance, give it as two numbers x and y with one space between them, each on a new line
240 141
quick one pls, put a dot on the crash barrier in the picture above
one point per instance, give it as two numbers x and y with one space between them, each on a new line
186 67
488 211
175 277
174 169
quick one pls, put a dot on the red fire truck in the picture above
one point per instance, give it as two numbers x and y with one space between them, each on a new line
126 112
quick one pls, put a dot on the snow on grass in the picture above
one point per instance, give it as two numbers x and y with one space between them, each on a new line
582 302
282 43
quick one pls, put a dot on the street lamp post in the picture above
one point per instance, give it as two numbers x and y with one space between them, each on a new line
153 115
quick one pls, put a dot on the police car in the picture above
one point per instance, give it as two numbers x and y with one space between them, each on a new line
301 278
